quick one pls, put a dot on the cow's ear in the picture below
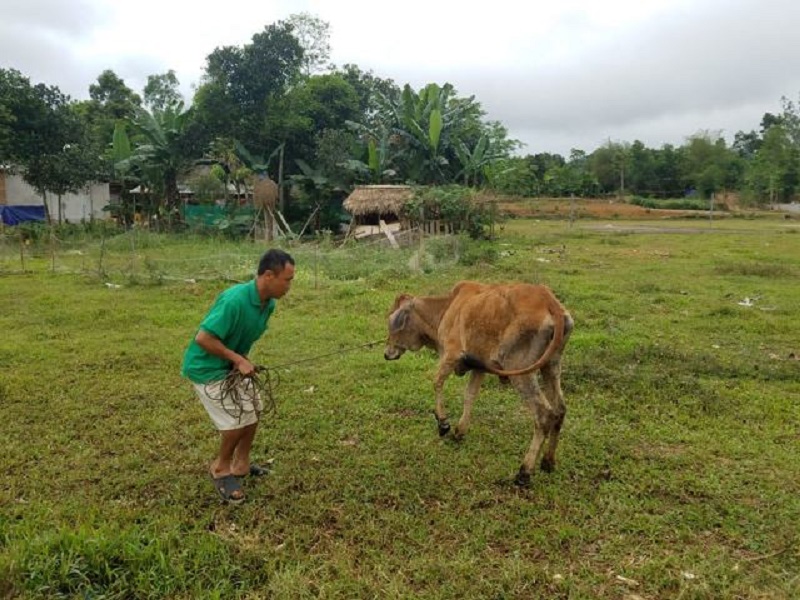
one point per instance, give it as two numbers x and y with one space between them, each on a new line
398 319
398 302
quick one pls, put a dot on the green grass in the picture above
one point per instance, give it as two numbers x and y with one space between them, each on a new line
678 472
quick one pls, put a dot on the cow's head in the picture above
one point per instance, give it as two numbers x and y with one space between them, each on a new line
404 333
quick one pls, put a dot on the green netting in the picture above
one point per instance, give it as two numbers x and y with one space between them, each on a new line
210 215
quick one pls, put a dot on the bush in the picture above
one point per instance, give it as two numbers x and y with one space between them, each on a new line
671 204
454 205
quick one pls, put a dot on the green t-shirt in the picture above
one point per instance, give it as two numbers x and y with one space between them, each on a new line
238 320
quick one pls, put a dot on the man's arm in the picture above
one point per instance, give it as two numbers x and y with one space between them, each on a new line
213 345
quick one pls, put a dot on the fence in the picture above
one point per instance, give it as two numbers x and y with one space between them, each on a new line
141 256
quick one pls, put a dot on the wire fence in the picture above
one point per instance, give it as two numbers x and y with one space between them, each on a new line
142 256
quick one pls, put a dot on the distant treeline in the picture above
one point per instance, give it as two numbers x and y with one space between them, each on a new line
276 107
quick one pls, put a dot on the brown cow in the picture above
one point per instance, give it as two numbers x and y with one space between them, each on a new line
510 330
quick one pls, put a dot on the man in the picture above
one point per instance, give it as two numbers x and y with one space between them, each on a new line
237 319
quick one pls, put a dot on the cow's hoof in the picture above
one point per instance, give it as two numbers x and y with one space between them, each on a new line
444 428
523 479
548 465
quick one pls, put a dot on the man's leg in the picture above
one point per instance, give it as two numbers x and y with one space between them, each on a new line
240 465
221 466
229 439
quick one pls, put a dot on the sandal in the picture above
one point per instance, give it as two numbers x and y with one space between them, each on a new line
259 470
227 486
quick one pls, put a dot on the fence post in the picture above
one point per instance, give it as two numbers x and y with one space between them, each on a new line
571 209
100 271
711 208
421 233
52 249
22 250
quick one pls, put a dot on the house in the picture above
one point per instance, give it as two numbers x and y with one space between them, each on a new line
19 202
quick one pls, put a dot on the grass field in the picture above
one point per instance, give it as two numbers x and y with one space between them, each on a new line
679 462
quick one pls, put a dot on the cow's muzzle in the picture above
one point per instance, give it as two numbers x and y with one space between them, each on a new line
392 353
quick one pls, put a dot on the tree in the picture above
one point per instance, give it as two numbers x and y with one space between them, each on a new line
574 177
377 168
543 166
238 82
709 164
60 173
334 148
473 160
607 166
230 168
667 171
641 169
162 90
320 102
513 175
773 173
43 136
313 34
23 115
163 152
375 95
746 144
426 124
110 101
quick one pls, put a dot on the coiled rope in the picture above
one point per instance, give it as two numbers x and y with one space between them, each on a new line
239 394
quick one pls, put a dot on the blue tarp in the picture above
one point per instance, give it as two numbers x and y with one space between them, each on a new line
14 215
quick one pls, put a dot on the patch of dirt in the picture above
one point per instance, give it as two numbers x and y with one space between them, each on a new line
594 208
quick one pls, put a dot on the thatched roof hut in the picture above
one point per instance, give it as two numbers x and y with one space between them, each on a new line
377 200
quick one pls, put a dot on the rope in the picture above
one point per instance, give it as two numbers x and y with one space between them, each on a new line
316 358
239 395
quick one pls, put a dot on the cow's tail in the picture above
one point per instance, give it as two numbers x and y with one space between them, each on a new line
470 361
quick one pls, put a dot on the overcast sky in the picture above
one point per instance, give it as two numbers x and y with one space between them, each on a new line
560 74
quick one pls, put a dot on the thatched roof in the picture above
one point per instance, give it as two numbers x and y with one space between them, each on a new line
380 199
265 193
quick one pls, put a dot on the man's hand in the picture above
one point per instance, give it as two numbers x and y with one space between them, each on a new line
213 345
245 367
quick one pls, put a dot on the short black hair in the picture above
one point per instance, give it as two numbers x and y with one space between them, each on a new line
274 260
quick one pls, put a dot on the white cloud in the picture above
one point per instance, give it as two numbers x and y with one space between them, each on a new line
561 74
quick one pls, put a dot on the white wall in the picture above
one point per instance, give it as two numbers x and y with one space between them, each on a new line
84 205
19 193
81 206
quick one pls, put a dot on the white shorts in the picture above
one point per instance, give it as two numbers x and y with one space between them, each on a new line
234 410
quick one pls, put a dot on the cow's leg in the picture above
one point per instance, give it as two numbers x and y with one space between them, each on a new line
445 369
541 411
470 394
551 381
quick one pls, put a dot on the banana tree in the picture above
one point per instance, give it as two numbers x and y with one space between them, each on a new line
259 165
429 121
163 154
121 155
475 160
377 168
323 192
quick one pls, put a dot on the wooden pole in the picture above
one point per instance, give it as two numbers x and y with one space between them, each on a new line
571 209
281 201
52 250
314 212
22 250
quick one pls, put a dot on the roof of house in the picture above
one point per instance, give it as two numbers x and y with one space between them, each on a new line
380 199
